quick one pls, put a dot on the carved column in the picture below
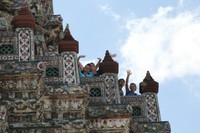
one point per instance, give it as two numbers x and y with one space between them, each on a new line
68 47
149 89
24 24
109 70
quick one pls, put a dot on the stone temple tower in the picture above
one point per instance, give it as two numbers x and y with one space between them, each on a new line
149 89
40 87
24 25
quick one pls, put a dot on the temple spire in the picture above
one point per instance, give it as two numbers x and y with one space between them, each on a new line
24 3
148 84
24 9
67 33
108 65
24 19
68 43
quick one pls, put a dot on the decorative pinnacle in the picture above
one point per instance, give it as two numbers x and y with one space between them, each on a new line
67 27
68 43
24 9
108 57
148 76
24 4
148 84
68 35
108 65
24 17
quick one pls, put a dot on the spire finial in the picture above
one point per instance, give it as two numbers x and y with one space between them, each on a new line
108 65
148 84
67 33
24 4
148 76
68 43
24 9
24 19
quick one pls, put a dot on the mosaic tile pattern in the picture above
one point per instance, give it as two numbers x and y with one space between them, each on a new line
25 45
153 113
150 127
109 111
39 129
3 23
70 74
110 125
111 90
8 47
3 122
41 91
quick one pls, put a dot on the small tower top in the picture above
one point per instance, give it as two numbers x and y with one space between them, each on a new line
108 65
24 9
68 43
67 34
148 84
24 19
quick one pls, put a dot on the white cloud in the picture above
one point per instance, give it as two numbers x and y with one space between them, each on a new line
166 45
181 3
162 12
106 9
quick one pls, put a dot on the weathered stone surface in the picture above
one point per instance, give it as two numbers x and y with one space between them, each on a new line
40 87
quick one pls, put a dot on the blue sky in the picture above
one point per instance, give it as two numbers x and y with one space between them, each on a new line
162 36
